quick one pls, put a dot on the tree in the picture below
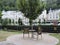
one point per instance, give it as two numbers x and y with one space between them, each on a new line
4 22
7 5
13 21
9 21
30 8
58 4
19 21
0 16
51 4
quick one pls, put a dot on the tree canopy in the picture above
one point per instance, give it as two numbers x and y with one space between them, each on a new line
53 4
30 8
11 4
19 21
7 4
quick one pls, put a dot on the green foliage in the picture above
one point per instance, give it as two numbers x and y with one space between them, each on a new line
58 4
30 21
9 21
39 21
53 4
31 8
0 21
0 14
5 21
23 4
7 4
18 4
19 21
13 21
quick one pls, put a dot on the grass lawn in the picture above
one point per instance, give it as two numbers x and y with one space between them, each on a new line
57 35
5 34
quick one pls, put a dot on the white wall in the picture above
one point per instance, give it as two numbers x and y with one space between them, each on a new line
15 15
53 15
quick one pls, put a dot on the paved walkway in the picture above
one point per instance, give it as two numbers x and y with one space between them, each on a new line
18 40
46 40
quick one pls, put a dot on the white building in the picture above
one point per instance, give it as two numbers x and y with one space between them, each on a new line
53 15
15 15
42 16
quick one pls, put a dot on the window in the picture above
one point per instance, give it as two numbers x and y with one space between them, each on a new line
56 16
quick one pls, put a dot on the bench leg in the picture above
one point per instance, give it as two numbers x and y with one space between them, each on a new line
32 35
37 36
23 35
28 35
41 36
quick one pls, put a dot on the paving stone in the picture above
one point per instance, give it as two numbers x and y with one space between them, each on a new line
46 40
6 43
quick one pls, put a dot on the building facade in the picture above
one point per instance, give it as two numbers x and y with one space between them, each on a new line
15 15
